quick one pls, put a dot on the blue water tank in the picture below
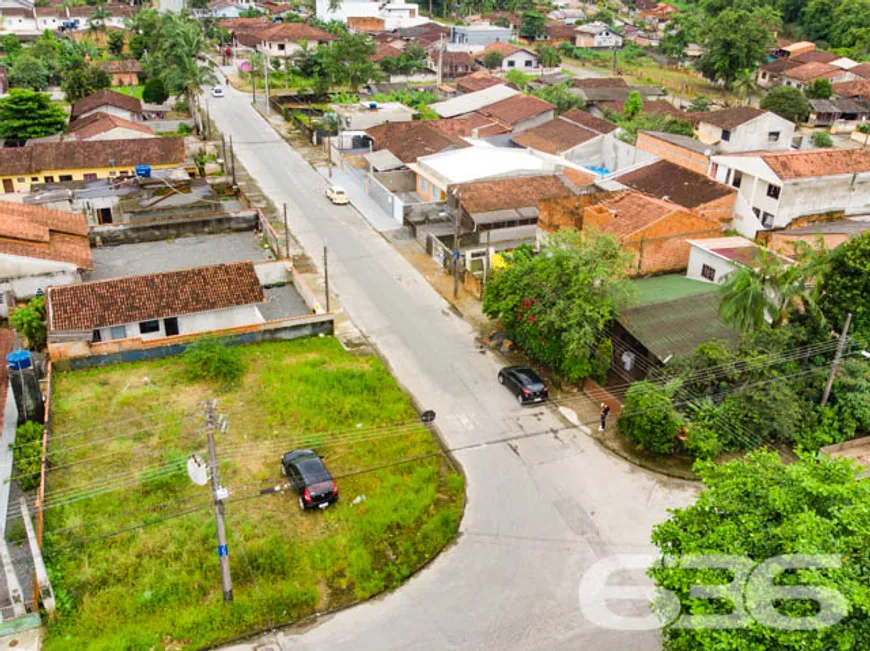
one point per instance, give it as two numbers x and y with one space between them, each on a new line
143 171
19 360
373 105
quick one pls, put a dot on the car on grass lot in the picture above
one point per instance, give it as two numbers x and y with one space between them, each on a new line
524 383
217 91
337 195
307 474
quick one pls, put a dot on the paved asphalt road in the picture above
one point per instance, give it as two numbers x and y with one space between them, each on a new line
540 510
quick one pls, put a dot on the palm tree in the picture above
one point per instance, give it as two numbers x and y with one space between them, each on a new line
178 54
745 85
745 300
97 21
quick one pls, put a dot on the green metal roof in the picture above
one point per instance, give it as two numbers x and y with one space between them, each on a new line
667 288
676 327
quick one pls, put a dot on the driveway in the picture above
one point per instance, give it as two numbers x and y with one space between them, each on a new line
540 509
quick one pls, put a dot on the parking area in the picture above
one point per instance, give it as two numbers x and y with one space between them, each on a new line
181 253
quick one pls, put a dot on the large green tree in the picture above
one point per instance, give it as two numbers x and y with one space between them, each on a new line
26 114
736 40
684 28
787 102
846 285
757 509
83 80
819 89
533 25
557 304
28 72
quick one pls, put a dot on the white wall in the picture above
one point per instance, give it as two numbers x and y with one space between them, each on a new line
750 136
120 133
232 317
609 152
7 438
698 257
533 121
24 276
113 110
519 61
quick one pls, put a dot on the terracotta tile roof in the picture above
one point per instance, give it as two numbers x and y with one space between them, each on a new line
515 109
815 56
234 23
154 296
815 162
728 118
586 119
504 49
37 232
115 67
511 193
649 106
862 70
476 81
811 71
600 82
854 88
779 66
77 155
471 124
631 211
555 136
295 32
383 51
407 141
454 58
668 181
558 29
106 98
514 19
99 122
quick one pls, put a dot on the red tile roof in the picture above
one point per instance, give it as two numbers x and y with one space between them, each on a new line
106 98
811 71
555 136
668 181
586 119
154 296
517 108
600 82
471 125
504 49
632 211
37 232
862 70
295 32
99 122
511 193
117 67
407 141
815 162
728 118
854 88
815 56
476 81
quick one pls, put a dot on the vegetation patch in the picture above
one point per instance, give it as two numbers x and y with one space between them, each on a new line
122 435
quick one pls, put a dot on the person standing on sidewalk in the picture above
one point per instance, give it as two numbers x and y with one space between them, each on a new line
605 412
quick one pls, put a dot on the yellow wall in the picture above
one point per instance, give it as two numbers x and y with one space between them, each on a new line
428 191
22 183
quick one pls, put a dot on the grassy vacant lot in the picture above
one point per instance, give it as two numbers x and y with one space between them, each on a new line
121 437
126 90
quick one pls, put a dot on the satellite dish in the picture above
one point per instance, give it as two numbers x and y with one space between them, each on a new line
197 470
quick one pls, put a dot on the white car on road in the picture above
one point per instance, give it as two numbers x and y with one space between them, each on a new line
337 195
217 91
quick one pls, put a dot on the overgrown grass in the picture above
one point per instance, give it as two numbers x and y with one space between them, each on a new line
158 587
126 90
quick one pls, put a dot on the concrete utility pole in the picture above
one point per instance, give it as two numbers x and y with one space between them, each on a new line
456 254
212 422
440 59
841 346
329 154
286 234
233 160
266 73
224 152
43 585
326 274
485 264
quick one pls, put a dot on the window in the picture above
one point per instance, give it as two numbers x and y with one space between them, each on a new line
726 135
708 272
280 47
21 179
112 173
767 220
49 179
118 332
773 136
511 64
773 191
34 179
147 327
63 178
96 337
90 176
528 64
737 179
170 326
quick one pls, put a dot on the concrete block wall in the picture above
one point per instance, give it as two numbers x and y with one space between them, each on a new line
687 158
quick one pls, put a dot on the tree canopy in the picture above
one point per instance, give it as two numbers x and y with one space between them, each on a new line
28 72
846 286
736 40
556 305
533 25
758 508
787 102
27 114
82 80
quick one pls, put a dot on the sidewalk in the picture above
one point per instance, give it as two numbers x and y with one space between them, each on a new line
376 216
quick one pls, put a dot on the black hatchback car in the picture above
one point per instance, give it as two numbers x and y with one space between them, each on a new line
310 478
524 383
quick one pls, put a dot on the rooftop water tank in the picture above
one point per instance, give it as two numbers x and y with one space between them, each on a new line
143 171
19 360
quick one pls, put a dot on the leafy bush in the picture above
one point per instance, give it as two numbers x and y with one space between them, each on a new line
822 139
181 106
27 454
30 322
703 442
649 418
154 91
183 128
830 427
215 360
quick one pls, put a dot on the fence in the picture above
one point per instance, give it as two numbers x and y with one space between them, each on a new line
155 230
275 242
40 491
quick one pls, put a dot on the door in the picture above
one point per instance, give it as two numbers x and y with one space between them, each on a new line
8 187
104 215
170 326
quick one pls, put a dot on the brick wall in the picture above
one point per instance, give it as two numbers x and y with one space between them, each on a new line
366 23
782 242
662 246
681 156
719 209
567 212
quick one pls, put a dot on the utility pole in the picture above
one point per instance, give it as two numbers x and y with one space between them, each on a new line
286 234
233 160
440 59
326 274
212 422
329 154
224 152
485 265
207 121
266 73
841 346
456 254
